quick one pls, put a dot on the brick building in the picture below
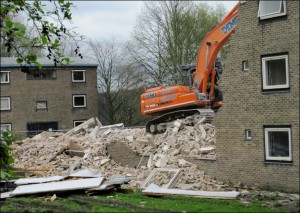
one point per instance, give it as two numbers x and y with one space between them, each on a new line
258 125
55 98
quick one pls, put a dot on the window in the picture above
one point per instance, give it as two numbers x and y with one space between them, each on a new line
275 72
41 74
4 77
79 101
278 144
269 9
248 134
4 127
41 105
36 128
78 122
5 103
78 76
245 65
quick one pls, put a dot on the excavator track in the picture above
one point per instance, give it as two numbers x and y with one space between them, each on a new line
187 116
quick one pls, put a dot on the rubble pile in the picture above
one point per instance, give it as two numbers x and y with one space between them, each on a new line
85 147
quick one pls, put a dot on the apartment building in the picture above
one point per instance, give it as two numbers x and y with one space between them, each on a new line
53 98
258 125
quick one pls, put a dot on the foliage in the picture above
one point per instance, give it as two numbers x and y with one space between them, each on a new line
6 160
48 24
117 85
167 34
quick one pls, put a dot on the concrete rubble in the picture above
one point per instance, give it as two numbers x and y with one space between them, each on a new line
85 147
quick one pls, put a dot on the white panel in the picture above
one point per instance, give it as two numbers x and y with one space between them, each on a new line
154 189
58 186
22 181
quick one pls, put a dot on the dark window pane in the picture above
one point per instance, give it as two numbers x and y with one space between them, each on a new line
278 144
276 72
78 76
79 101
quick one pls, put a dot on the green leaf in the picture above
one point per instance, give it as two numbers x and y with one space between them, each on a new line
10 161
9 24
21 27
31 58
38 64
44 40
6 8
19 60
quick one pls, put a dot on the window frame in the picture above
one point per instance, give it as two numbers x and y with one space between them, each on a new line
8 124
85 101
82 121
273 15
9 103
8 73
243 65
78 81
265 59
247 135
31 74
36 107
266 142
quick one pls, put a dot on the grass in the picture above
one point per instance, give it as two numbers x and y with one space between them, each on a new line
124 201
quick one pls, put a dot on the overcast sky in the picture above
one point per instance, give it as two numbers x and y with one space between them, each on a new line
105 19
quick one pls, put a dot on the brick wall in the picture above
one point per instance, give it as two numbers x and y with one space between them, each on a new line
246 106
58 94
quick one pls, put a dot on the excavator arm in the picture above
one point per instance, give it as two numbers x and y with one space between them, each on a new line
210 48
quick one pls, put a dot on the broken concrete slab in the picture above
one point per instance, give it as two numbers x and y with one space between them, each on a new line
85 124
153 189
160 160
206 150
114 126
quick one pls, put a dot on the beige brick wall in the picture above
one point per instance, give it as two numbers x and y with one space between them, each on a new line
246 106
58 94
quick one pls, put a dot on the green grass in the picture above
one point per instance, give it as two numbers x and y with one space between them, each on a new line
124 201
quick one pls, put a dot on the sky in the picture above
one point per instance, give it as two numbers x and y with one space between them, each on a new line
100 20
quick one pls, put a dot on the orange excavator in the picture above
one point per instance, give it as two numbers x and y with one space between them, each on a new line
200 99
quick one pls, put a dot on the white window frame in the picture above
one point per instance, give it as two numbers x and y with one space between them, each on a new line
82 106
264 72
5 124
76 81
277 129
6 82
7 98
41 102
75 121
248 134
245 68
275 14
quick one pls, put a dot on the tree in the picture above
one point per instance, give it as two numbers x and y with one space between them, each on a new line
167 35
48 25
118 94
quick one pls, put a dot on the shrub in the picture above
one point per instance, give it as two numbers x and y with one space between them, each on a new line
6 159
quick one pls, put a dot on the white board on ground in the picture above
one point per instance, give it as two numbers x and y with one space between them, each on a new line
58 186
154 189
22 181
5 195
